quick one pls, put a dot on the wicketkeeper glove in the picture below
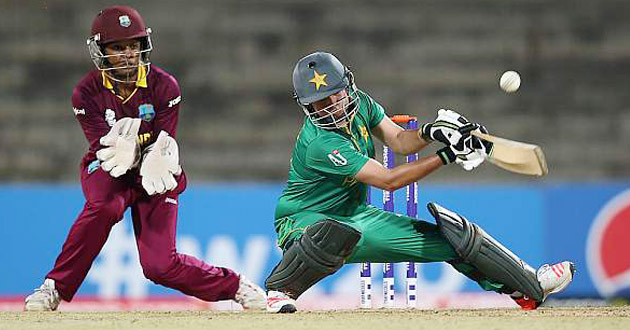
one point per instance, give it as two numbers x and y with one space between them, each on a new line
449 128
122 152
160 165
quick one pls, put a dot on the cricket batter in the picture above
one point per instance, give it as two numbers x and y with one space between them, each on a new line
323 220
128 110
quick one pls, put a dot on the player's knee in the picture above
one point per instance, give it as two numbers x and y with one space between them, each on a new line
158 270
158 275
321 251
112 209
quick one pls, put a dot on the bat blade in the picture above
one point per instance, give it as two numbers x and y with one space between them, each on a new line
514 156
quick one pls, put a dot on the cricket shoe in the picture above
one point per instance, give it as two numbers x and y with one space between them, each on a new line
250 295
552 279
46 298
278 302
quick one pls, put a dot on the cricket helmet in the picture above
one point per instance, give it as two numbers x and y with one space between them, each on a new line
118 23
318 76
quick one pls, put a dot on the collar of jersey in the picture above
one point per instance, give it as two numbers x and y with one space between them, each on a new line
142 72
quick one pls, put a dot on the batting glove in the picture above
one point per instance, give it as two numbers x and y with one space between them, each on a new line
480 150
481 145
449 128
160 165
122 152
471 160
462 154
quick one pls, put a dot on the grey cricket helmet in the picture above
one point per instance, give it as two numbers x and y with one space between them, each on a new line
318 76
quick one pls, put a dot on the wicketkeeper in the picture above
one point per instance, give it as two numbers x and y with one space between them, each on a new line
323 220
128 110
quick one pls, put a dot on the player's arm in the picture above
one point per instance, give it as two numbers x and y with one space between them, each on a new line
160 160
375 174
401 141
167 112
115 147
91 120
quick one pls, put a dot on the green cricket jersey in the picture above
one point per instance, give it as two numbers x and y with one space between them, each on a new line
324 163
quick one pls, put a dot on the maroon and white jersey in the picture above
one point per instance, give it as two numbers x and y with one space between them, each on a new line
97 107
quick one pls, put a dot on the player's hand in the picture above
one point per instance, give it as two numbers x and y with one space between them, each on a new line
482 146
471 161
122 151
449 128
160 165
463 154
474 152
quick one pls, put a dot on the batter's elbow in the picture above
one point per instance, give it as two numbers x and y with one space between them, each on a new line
391 186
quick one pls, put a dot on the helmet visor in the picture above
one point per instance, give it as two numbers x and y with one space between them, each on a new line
336 115
121 67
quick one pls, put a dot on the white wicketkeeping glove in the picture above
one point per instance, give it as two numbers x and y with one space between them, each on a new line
160 165
122 151
449 128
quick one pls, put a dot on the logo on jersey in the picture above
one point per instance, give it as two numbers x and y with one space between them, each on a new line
143 138
110 117
78 111
146 112
170 200
337 159
349 181
607 247
174 101
318 80
93 166
124 21
364 133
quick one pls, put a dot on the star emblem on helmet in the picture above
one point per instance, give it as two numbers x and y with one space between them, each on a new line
318 80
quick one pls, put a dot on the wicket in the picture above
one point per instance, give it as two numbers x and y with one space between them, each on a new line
409 122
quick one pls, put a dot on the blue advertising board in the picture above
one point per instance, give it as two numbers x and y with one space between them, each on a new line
232 225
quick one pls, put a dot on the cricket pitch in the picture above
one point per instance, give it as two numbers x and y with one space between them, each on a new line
574 318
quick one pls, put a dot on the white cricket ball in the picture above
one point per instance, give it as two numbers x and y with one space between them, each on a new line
510 81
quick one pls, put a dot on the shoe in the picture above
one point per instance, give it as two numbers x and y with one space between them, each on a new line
278 302
552 279
250 295
46 298
556 277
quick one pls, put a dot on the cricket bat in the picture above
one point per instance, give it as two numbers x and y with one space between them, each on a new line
513 156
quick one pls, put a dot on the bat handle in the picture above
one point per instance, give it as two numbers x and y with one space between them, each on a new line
479 134
468 128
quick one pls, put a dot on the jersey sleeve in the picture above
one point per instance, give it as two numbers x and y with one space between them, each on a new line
167 113
335 156
91 120
376 112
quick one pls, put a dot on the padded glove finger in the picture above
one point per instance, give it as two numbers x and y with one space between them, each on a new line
105 154
169 183
148 186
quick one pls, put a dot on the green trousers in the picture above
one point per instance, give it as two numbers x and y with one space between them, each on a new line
388 237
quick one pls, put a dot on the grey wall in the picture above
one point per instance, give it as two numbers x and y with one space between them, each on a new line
234 58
